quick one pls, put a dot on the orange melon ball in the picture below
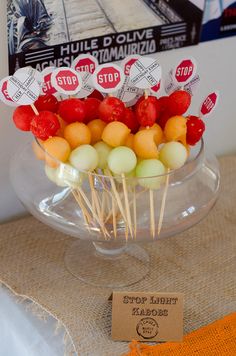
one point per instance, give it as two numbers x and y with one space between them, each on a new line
176 129
130 141
115 134
159 133
63 124
145 144
96 128
38 149
58 148
77 134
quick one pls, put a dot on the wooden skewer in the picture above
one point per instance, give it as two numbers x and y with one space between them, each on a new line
127 207
34 109
86 216
94 214
152 213
116 196
114 217
146 93
95 199
135 213
163 202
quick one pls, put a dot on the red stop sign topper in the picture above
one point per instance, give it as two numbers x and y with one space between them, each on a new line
209 104
66 80
85 63
185 70
127 63
47 87
108 78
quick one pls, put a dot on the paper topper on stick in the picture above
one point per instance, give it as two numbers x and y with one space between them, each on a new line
66 80
209 104
145 73
22 88
184 70
4 96
108 78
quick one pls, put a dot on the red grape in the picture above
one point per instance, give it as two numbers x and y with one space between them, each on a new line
23 116
47 102
195 130
91 109
111 109
45 125
130 120
179 102
72 110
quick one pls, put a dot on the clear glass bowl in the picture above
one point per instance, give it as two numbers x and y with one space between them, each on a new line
115 213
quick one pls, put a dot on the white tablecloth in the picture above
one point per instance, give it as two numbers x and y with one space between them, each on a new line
24 334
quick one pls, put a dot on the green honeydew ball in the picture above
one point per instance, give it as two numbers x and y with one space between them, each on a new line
65 175
84 158
122 160
150 168
173 155
103 151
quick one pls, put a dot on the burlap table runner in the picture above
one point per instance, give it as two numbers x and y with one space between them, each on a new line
200 263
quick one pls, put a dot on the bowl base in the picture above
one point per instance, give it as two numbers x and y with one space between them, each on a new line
117 268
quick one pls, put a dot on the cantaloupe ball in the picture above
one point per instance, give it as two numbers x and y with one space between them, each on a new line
173 155
96 128
103 151
129 142
84 158
63 125
176 129
77 134
58 148
115 134
122 160
38 149
159 133
152 168
145 145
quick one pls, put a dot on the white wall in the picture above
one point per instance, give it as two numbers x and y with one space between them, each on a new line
216 63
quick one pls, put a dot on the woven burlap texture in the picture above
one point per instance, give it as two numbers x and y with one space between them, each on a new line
199 263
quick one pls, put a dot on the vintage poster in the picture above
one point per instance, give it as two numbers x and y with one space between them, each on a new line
219 19
44 33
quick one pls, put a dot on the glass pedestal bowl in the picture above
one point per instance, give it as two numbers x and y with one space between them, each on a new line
113 216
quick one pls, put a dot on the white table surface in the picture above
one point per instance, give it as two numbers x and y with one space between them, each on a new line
24 334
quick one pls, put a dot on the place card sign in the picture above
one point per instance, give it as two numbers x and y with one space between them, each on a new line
147 316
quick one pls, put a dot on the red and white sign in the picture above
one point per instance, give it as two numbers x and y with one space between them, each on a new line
66 80
145 73
4 96
47 87
22 88
127 63
185 70
209 104
108 78
85 63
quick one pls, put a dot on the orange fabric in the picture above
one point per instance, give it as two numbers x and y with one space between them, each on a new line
216 339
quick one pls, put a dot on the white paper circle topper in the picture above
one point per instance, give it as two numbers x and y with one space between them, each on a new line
87 88
31 71
23 88
4 96
66 80
85 63
108 78
127 63
127 92
145 73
